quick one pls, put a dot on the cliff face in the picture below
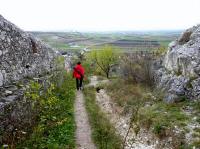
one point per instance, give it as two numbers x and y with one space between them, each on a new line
21 55
180 74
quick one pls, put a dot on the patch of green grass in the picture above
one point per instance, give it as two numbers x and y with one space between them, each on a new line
59 45
56 125
159 129
103 132
154 114
196 144
197 106
197 130
125 94
161 116
165 43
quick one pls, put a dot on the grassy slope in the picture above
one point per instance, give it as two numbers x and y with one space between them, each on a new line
154 115
103 132
56 127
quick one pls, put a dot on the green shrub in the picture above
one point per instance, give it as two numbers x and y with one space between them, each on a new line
55 126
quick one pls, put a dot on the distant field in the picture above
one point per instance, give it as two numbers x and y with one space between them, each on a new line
127 41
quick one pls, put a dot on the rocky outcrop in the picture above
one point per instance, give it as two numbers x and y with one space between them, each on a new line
180 74
22 57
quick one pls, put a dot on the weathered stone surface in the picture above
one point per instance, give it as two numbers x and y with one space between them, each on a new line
22 54
180 73
12 88
22 57
182 57
195 91
1 104
1 79
8 92
171 98
10 98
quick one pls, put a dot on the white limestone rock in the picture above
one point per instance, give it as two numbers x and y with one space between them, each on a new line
180 73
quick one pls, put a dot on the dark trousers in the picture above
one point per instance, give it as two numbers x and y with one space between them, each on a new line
79 83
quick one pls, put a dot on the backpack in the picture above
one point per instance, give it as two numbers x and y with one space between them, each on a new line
78 71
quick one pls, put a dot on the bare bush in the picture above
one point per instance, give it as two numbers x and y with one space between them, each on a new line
137 68
185 37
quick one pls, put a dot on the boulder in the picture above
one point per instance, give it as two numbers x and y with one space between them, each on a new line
179 75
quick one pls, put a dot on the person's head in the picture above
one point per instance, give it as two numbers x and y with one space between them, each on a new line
78 63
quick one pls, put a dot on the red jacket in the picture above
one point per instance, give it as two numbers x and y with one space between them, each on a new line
78 71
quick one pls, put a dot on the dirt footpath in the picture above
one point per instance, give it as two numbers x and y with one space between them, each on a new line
83 130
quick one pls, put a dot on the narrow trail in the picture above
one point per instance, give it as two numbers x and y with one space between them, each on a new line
83 130
94 81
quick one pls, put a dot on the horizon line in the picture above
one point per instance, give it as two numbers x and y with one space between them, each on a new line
101 31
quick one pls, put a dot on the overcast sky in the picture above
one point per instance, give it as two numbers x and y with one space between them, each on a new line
101 15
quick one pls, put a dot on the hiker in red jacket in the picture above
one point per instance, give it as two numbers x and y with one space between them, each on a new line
78 73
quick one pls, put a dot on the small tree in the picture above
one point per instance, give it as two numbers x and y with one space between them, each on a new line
105 58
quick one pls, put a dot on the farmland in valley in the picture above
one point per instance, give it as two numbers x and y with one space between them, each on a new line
127 41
